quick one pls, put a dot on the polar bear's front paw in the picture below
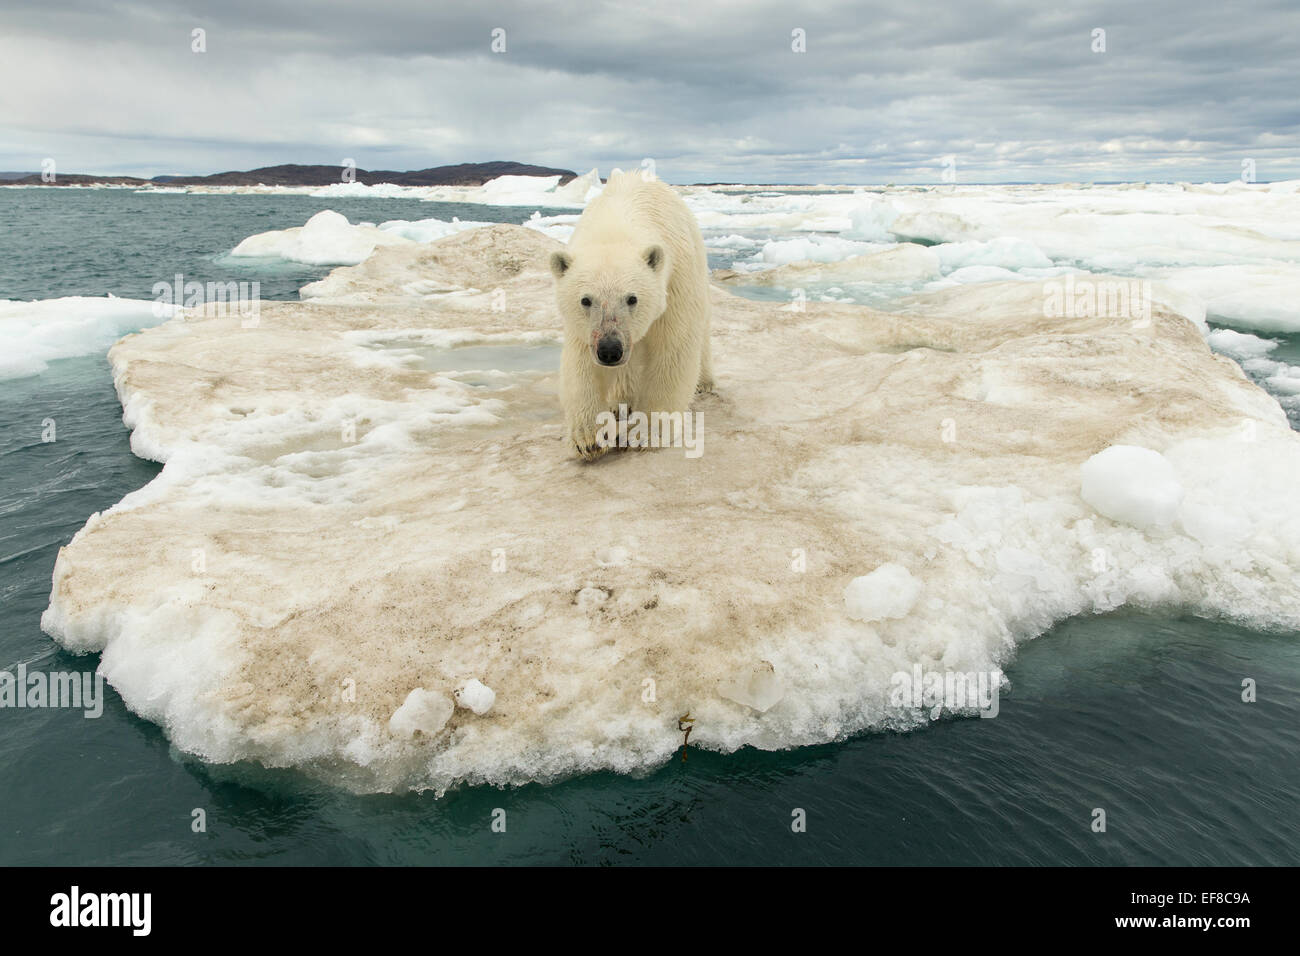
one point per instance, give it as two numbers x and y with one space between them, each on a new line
587 443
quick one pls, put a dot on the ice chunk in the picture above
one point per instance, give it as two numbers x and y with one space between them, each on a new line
888 592
871 221
578 191
1240 345
1006 252
355 190
504 190
813 249
1132 485
1259 296
326 239
423 711
475 696
759 689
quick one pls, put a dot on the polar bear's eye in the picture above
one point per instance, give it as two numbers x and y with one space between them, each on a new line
586 302
631 300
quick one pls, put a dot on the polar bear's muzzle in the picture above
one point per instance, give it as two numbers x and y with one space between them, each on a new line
610 345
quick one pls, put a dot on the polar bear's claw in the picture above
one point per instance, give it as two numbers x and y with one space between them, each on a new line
589 450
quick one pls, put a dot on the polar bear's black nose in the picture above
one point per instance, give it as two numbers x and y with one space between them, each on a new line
609 350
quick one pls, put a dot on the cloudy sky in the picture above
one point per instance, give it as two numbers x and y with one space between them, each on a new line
710 90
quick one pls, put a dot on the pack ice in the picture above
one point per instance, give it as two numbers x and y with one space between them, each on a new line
370 557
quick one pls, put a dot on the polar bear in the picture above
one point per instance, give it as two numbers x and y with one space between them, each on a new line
633 291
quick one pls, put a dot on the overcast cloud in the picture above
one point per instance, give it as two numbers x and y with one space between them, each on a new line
712 91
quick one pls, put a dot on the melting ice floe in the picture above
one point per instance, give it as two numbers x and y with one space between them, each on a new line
327 238
501 191
33 334
344 543
1235 249
1227 253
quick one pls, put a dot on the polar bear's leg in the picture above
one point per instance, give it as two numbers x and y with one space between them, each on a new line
706 367
583 400
669 384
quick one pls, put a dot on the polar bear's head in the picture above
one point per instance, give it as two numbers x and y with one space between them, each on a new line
609 295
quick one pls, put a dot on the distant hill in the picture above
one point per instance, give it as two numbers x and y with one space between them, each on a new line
76 179
464 174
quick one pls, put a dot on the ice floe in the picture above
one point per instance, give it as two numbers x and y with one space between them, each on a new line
348 539
33 334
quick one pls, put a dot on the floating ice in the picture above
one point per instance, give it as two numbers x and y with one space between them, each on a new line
1240 345
33 334
732 241
872 222
1007 253
329 239
1258 297
355 190
1285 380
516 191
367 521
502 191
813 249
326 239
1236 250
536 191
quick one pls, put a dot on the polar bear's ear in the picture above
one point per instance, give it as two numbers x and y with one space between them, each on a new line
654 258
560 262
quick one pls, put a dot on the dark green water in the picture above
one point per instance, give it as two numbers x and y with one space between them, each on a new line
1286 350
67 241
1140 716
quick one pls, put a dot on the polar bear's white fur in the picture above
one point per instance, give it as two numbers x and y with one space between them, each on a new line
633 291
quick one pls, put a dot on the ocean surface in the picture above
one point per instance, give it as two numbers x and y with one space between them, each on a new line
1139 715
